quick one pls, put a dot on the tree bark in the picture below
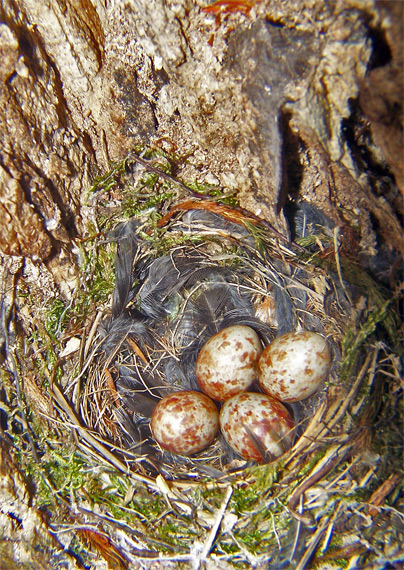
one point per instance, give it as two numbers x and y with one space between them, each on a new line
82 82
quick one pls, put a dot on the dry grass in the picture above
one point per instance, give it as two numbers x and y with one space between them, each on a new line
332 501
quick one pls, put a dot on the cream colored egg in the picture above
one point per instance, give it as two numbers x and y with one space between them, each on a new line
294 366
256 426
185 422
227 363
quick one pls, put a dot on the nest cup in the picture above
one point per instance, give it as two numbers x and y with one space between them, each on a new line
213 273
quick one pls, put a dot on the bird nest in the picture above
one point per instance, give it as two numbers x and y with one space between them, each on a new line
164 309
202 267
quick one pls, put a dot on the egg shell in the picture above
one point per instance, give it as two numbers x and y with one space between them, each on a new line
294 366
261 415
227 363
185 422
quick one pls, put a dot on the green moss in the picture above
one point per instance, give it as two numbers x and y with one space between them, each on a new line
379 299
109 179
215 192
177 533
153 152
252 539
266 475
152 192
134 206
57 318
337 563
150 509
261 238
96 281
244 498
62 476
354 340
228 547
59 471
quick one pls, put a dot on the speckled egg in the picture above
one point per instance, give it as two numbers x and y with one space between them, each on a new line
256 426
185 422
227 363
294 365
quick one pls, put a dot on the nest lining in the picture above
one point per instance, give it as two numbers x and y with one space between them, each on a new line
166 306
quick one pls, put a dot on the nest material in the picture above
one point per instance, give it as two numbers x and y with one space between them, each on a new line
165 307
202 267
211 265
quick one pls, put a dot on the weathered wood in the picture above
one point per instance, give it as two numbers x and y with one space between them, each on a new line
82 82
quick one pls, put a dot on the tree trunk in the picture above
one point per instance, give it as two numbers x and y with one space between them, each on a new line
275 101
248 99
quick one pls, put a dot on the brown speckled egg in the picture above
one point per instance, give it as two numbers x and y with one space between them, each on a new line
256 426
227 363
294 366
185 422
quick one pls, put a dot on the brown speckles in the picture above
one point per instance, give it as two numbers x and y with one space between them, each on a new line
265 358
185 422
227 363
280 355
291 366
268 421
244 357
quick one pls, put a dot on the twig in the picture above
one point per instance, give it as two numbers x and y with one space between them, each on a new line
329 462
336 248
378 497
213 531
313 545
298 529
159 172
